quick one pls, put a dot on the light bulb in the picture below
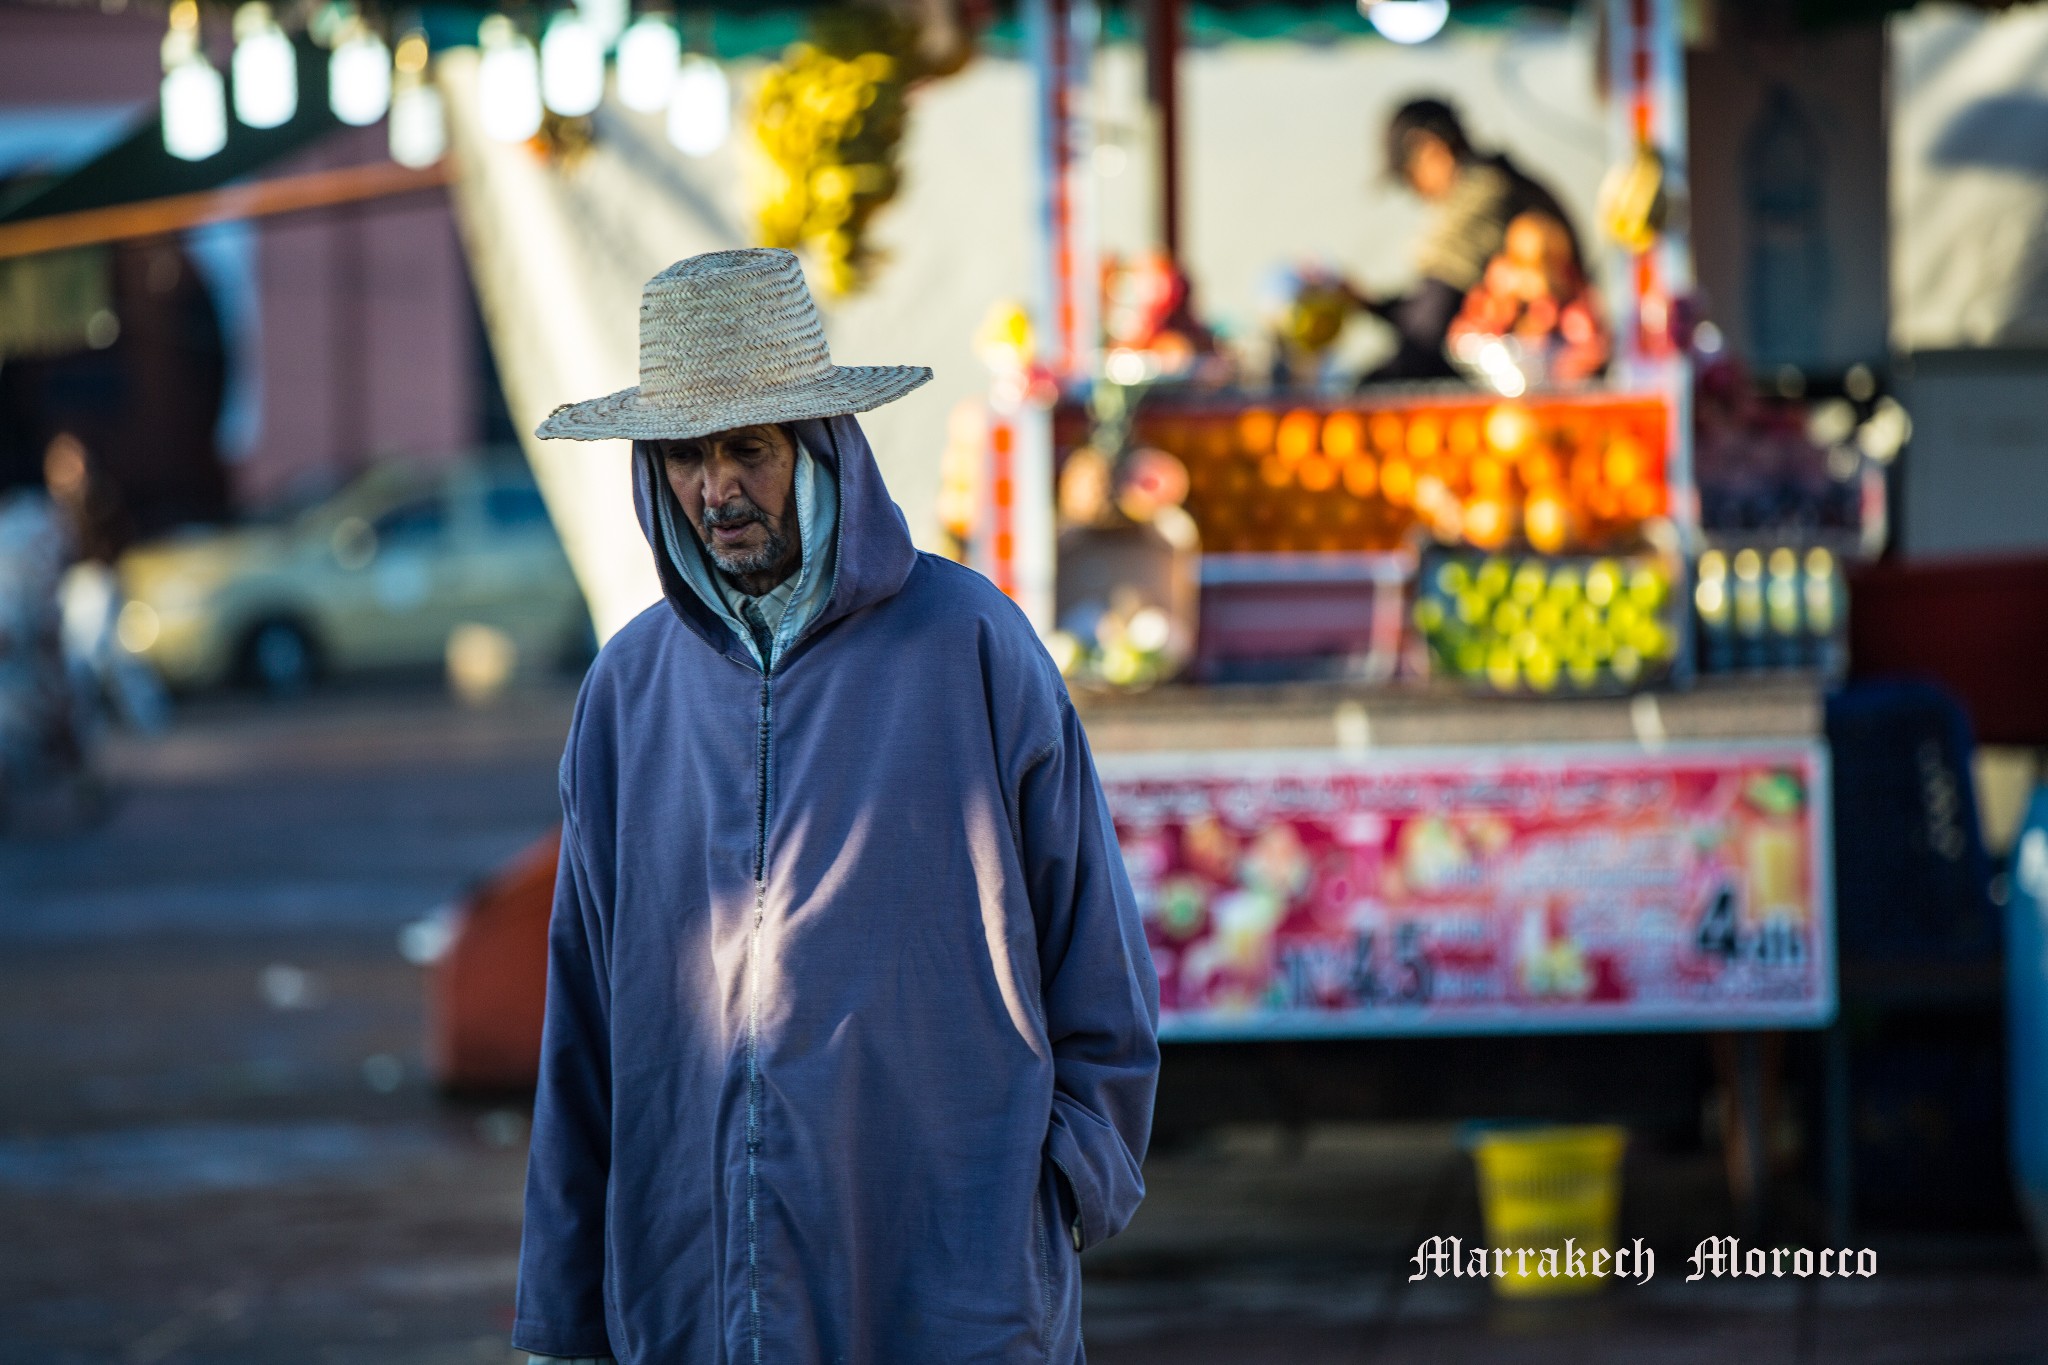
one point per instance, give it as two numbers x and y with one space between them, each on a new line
359 79
508 82
649 56
571 66
266 70
195 109
607 19
419 128
700 111
1407 21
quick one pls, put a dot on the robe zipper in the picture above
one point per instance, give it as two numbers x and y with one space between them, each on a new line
754 1032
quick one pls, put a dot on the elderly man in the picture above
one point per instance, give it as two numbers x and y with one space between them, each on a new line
850 1023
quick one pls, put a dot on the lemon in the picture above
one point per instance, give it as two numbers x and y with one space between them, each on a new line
1508 618
1602 581
1528 583
1541 670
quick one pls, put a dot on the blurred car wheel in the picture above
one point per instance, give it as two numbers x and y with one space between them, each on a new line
279 659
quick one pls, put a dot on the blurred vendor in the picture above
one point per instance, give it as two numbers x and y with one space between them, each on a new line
1473 196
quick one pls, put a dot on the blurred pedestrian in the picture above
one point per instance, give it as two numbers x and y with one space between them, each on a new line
1473 195
850 1043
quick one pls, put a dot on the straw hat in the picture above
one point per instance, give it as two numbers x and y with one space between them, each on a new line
730 339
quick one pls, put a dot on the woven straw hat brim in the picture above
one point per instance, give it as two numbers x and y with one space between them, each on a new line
626 415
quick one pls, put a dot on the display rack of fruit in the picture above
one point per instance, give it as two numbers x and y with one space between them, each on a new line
1567 474
1541 624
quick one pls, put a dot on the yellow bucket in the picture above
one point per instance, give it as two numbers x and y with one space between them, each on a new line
1540 1186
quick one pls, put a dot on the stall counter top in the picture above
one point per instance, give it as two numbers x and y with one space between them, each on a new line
1354 717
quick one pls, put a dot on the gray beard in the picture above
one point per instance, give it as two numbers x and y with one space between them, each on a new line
757 561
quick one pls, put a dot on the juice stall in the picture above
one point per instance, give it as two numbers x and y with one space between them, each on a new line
1475 715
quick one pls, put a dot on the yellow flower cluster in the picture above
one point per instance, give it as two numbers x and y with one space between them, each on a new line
829 128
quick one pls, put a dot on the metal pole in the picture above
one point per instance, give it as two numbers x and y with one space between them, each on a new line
1162 91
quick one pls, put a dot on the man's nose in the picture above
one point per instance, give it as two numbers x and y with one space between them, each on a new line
721 483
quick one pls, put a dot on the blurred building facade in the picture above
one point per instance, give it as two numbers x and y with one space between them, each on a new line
233 367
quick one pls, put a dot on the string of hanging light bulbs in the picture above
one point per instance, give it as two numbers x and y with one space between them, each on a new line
516 82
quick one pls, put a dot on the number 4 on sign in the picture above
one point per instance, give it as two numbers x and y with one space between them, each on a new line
1717 935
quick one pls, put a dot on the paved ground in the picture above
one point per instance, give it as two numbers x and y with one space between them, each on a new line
217 1143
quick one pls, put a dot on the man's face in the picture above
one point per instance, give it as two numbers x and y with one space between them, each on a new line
1432 166
738 490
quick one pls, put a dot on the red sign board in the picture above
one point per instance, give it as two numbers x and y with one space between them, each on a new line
1305 894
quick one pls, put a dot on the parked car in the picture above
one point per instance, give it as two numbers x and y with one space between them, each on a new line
376 577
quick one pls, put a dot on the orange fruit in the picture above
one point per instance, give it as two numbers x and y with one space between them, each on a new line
1489 522
1343 435
1255 431
1296 435
1546 518
1275 472
1489 477
1626 462
1462 435
1388 432
1510 429
1642 500
1397 482
1425 435
1317 474
1361 476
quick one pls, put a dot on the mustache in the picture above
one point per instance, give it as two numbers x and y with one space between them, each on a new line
737 513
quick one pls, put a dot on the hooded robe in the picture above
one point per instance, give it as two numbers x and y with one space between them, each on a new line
850 1041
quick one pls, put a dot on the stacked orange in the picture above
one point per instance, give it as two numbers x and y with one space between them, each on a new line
1557 477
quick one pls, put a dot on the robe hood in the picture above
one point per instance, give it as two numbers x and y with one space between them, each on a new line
873 551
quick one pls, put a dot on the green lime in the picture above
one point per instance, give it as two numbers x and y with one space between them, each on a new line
1492 579
1602 581
1647 588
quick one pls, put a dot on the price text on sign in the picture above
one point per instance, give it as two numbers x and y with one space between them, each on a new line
1454 892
